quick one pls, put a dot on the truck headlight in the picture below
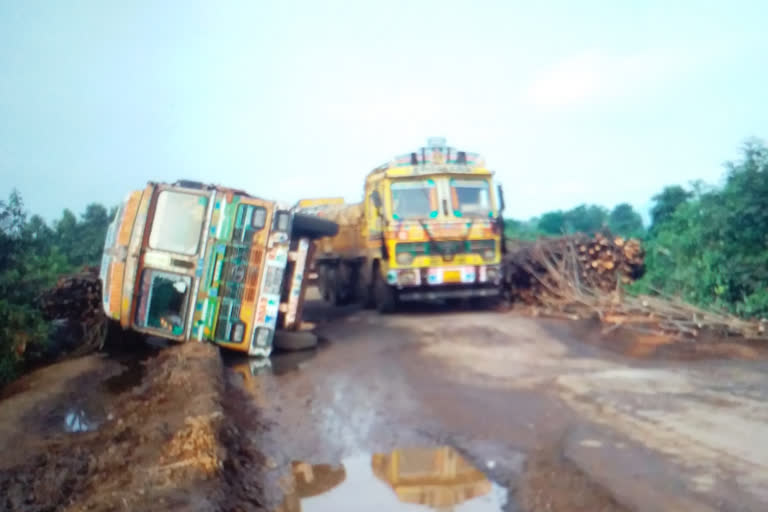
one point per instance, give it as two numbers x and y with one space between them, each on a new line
261 337
404 258
282 221
238 331
407 278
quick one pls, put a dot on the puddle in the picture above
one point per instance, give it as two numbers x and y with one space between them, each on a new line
76 420
280 363
403 480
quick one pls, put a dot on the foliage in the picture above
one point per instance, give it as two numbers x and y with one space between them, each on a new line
666 202
522 230
32 256
583 218
625 221
708 245
712 249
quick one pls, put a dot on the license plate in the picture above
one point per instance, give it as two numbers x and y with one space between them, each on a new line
452 276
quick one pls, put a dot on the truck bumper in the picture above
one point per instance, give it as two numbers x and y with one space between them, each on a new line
447 292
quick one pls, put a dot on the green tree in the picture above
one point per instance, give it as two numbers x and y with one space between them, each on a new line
552 223
23 272
666 202
625 221
93 229
82 241
713 248
586 219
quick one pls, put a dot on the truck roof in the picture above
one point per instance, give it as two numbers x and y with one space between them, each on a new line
435 159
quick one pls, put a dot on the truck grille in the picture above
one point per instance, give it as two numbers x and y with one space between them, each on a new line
229 313
238 284
233 272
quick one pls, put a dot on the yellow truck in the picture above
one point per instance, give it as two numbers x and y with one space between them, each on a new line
429 228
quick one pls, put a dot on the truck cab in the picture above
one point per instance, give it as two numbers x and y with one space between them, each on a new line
429 227
187 261
437 216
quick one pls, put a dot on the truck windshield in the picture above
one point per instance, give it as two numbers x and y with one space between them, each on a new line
178 222
470 197
414 199
164 300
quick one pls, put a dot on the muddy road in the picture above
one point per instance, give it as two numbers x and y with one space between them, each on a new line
479 411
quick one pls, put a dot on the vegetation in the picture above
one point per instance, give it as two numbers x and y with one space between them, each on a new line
586 218
32 255
708 245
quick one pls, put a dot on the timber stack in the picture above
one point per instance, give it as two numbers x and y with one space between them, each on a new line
534 270
74 306
74 297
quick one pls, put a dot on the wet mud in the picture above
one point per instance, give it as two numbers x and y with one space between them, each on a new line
435 409
552 413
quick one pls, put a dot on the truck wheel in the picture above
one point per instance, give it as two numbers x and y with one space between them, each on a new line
332 286
294 340
312 226
369 298
322 282
386 295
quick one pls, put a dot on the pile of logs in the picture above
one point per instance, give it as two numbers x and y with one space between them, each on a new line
75 297
74 306
608 260
601 262
580 277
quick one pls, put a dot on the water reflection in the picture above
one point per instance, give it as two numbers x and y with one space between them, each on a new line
76 420
405 479
438 477
311 480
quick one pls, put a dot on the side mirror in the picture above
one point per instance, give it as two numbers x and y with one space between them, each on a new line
501 198
376 199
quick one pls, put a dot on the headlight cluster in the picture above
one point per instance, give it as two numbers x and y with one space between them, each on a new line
238 331
260 337
408 278
404 258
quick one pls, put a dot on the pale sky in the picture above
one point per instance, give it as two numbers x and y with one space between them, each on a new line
569 102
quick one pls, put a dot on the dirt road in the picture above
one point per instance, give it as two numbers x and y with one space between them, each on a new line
490 411
436 409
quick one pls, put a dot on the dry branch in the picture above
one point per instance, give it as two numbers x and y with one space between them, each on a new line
579 276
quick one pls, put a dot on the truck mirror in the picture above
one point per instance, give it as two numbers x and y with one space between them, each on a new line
376 199
501 198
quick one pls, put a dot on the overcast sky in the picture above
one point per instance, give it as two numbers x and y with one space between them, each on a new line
289 99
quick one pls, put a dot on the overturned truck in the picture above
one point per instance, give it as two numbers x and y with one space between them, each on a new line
188 261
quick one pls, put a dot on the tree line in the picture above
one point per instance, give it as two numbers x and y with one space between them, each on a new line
33 254
707 244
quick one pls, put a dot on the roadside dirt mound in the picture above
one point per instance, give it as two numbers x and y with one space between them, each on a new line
553 484
159 448
654 345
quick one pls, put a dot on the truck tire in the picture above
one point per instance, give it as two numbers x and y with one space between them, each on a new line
313 227
322 281
386 295
332 286
294 340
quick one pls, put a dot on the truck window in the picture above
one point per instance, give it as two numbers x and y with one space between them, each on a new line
470 197
178 222
250 219
414 199
163 304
